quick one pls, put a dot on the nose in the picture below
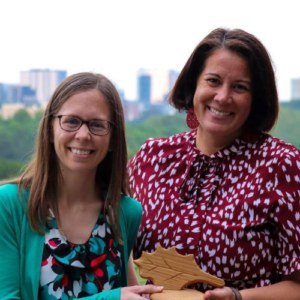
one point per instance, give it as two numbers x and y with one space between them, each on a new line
223 94
83 132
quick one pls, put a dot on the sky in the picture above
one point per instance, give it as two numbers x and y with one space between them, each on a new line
118 37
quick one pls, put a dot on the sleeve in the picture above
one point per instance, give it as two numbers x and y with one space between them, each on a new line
287 214
133 221
108 295
9 249
132 212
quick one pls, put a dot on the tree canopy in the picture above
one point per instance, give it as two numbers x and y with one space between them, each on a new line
17 135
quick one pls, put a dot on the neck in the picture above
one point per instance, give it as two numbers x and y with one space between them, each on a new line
209 144
77 189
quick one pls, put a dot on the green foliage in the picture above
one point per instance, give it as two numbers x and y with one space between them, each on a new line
17 135
295 104
288 125
161 126
9 169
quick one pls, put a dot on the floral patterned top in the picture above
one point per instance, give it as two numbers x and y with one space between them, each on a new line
74 271
237 211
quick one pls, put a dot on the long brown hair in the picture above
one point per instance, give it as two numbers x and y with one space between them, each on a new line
265 104
42 174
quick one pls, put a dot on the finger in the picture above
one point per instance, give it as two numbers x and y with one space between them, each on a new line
139 297
134 296
129 295
219 294
213 295
146 289
207 294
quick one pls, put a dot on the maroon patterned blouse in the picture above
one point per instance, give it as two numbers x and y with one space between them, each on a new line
237 211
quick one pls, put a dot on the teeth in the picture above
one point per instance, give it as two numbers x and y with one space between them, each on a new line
219 113
79 152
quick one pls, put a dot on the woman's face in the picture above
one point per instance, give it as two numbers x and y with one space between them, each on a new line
223 96
81 151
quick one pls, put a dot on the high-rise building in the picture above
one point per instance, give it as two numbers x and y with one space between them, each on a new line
43 81
144 86
295 89
173 75
154 85
3 93
16 93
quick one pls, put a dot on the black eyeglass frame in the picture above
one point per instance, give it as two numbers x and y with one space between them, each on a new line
110 124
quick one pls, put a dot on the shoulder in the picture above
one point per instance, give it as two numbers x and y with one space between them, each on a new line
131 211
280 151
284 158
279 147
10 204
9 195
8 189
130 207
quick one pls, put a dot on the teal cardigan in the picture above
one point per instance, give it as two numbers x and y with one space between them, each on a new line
21 249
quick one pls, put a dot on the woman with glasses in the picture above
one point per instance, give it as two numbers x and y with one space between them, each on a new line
226 191
67 224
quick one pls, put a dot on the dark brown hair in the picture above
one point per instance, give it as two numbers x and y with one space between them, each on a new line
43 175
265 106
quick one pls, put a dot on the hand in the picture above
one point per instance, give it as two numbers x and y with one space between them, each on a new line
224 293
139 292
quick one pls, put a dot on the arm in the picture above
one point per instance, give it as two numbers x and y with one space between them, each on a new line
132 278
288 289
285 216
9 252
126 293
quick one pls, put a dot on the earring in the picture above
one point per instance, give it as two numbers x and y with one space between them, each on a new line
191 119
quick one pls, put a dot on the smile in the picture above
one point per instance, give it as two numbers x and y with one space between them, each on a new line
219 113
80 152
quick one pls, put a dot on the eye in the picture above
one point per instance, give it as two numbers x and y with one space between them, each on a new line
98 124
213 81
71 121
241 87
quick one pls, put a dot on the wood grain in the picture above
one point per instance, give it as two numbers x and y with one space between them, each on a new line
178 295
167 268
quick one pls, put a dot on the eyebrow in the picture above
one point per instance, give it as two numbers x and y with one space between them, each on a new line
85 120
239 80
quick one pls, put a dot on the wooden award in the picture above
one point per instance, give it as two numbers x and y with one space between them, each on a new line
167 268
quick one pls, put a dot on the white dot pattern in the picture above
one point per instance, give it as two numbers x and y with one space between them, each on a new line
237 212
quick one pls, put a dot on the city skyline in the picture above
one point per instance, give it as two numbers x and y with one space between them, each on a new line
117 38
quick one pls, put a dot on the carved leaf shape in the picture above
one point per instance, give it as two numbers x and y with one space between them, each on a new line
166 267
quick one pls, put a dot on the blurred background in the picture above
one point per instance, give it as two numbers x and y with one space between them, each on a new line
141 46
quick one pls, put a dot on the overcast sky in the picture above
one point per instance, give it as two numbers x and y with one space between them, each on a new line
116 38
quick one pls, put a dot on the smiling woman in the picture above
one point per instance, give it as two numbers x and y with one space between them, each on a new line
81 145
222 99
68 225
226 192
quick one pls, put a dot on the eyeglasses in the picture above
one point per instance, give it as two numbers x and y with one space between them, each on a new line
95 126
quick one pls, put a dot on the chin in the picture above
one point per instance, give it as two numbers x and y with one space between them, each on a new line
222 133
79 168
